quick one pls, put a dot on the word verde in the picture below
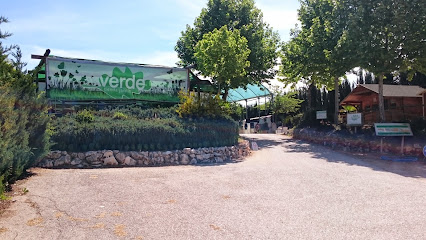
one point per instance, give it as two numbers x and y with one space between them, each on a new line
125 79
129 83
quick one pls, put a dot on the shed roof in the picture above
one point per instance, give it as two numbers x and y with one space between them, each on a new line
395 90
388 91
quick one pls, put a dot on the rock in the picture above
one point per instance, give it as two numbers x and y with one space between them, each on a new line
110 161
120 157
48 164
54 155
98 165
75 161
193 161
89 153
66 159
186 151
184 159
59 162
81 156
136 155
128 161
94 157
219 160
199 157
108 154
192 155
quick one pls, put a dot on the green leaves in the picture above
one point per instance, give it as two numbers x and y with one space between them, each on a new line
222 55
239 15
134 128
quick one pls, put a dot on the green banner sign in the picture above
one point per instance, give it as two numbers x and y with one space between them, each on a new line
72 79
393 129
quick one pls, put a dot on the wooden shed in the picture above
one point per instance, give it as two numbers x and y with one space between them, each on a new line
401 102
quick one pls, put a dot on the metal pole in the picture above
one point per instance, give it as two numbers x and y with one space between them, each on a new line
246 112
258 105
402 145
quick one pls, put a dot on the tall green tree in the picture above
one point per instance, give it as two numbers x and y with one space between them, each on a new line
262 41
284 103
222 55
389 36
24 123
320 50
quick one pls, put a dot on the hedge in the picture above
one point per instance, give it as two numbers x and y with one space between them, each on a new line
23 135
141 131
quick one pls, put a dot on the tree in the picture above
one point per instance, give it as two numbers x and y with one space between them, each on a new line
24 123
284 103
389 36
234 14
319 51
222 55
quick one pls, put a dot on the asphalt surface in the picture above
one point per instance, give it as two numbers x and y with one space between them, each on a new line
286 190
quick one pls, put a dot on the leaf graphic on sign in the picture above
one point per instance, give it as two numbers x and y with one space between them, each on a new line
61 65
123 77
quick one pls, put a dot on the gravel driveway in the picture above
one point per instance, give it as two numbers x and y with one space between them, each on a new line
287 190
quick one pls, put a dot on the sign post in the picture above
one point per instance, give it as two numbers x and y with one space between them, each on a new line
391 130
354 119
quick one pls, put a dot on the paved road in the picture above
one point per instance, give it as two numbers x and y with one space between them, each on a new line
287 190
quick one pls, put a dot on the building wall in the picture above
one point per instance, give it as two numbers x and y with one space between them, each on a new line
396 108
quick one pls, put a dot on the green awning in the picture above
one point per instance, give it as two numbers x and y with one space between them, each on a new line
252 92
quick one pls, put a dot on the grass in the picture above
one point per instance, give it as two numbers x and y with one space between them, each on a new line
67 94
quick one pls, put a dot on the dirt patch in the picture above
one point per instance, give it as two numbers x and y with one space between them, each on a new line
4 205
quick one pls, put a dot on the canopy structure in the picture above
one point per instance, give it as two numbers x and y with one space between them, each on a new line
252 92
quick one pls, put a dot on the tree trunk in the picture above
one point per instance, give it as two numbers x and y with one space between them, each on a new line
309 95
336 100
225 94
381 100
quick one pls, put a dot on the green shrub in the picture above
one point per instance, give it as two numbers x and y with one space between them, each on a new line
24 132
210 106
84 116
142 134
119 115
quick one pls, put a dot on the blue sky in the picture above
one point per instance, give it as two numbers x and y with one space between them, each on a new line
119 31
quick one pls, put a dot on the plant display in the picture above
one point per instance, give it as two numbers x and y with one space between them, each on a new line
135 129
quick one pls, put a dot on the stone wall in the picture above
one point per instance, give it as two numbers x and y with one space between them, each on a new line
348 144
109 158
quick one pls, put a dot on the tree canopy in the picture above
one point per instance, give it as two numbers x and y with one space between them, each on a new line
390 37
382 36
222 55
240 15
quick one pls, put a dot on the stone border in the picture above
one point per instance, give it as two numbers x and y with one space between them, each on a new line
109 158
354 145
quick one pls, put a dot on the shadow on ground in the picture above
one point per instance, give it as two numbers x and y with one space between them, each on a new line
370 160
262 143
